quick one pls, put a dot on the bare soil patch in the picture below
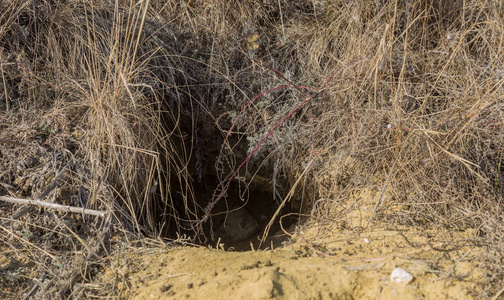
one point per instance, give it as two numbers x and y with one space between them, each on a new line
444 266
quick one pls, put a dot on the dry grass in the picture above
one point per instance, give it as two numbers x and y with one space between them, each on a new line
133 102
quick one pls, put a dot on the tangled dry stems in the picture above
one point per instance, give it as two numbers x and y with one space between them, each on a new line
135 101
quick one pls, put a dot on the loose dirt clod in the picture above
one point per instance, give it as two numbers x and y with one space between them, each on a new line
239 225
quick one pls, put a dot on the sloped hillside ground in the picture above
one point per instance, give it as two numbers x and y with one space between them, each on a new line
321 261
251 149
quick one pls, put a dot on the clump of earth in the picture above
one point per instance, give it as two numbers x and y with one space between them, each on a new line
238 225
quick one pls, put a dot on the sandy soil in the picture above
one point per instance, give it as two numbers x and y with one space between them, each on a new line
335 264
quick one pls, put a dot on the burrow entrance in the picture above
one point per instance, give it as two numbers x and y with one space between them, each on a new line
238 220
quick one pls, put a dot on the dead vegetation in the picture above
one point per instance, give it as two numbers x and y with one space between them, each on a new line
125 107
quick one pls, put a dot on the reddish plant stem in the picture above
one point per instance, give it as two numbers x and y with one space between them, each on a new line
255 98
300 89
224 189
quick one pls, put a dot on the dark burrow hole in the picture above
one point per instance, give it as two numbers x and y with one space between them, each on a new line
239 220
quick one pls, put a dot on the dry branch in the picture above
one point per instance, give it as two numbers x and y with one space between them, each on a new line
54 206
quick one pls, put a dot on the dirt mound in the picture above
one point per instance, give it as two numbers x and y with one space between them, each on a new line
352 267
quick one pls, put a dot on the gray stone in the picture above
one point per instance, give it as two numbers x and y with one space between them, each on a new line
401 276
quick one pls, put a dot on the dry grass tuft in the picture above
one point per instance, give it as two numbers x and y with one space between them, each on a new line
126 107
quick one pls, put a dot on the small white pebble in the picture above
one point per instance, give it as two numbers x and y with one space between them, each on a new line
366 240
401 276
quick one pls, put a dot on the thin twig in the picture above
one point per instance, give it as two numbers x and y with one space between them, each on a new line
35 287
392 169
56 206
